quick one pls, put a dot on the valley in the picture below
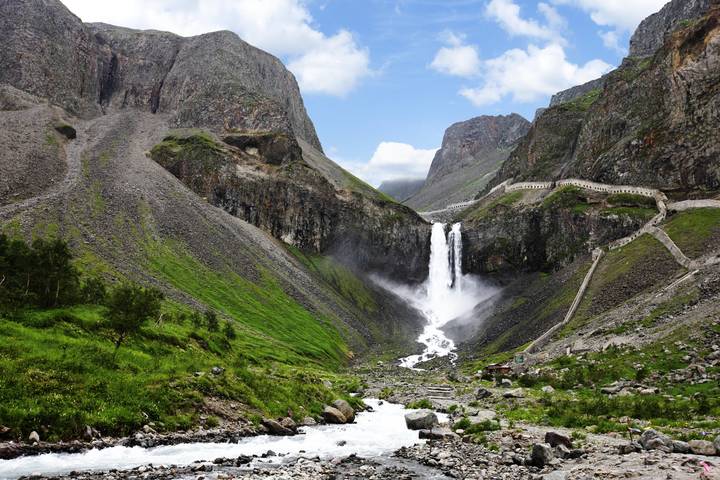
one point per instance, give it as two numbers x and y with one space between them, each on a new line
191 288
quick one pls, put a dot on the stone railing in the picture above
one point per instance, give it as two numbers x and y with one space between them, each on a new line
612 189
598 254
529 186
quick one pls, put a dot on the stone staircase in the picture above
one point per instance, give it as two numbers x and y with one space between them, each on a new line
440 392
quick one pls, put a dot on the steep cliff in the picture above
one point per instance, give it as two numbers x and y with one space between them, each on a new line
651 124
471 152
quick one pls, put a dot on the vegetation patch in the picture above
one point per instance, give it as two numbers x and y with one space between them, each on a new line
567 197
583 103
695 231
477 213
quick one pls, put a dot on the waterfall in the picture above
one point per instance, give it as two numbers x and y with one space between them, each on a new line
455 239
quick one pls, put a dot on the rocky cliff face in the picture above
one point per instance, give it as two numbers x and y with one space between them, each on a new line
652 124
265 180
507 239
471 152
214 80
650 34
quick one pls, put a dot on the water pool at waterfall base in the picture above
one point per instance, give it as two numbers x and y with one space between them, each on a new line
374 434
446 295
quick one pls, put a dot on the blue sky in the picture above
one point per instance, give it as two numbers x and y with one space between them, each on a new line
383 79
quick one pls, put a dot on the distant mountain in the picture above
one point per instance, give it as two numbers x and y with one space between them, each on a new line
471 153
400 190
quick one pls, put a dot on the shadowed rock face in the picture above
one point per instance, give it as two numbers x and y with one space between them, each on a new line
654 123
471 151
214 80
401 189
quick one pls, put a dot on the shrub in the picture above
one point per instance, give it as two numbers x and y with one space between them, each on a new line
424 403
229 331
211 321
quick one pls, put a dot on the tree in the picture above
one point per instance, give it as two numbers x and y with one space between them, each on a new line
211 320
130 307
93 291
56 279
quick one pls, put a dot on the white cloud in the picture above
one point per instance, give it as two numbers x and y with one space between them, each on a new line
393 161
507 14
622 15
611 39
457 58
531 74
283 27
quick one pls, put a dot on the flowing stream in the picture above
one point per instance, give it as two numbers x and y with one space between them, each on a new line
446 295
373 434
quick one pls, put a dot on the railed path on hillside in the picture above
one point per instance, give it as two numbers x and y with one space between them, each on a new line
652 228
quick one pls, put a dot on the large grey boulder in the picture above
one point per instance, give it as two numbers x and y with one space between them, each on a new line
439 433
333 415
421 420
276 428
346 410
542 454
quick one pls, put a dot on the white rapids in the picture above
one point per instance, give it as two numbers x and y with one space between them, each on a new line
446 295
373 434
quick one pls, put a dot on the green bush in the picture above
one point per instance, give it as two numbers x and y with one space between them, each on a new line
418 404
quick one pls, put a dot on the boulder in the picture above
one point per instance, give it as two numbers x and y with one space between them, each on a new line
631 447
217 371
717 443
289 423
346 410
547 389
333 415
9 450
505 383
654 440
516 393
439 433
542 454
421 420
482 416
275 428
34 437
308 422
482 393
554 439
702 447
680 447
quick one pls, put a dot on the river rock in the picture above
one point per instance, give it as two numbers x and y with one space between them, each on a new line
702 447
34 437
438 433
289 423
542 454
717 444
308 422
421 420
275 428
333 415
346 410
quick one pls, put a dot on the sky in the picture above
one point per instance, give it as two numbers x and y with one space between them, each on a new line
383 79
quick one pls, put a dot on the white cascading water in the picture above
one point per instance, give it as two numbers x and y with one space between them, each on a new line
446 295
